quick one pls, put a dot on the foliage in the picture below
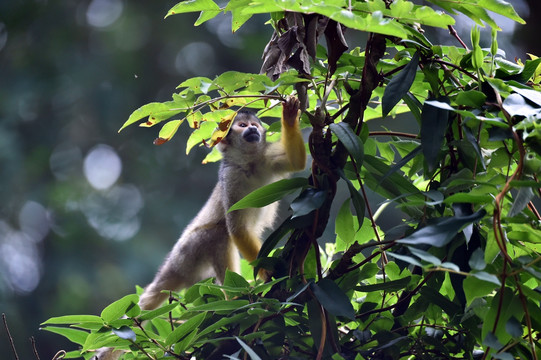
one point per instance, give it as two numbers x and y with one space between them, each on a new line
459 278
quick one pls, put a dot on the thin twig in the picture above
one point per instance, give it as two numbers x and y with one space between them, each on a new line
59 355
33 342
453 32
9 337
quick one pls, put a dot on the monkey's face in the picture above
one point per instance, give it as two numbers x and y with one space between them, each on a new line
248 128
246 134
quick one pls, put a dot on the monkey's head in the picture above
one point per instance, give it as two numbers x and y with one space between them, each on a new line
246 133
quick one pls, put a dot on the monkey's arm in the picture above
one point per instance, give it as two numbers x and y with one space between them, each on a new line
289 154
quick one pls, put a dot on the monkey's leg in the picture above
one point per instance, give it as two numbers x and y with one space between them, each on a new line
166 279
249 246
247 243
198 254
226 260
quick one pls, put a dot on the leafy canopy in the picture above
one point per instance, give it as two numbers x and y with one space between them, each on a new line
458 279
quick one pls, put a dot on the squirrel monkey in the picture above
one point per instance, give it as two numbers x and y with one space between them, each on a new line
208 246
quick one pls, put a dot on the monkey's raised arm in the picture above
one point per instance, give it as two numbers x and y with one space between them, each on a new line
289 154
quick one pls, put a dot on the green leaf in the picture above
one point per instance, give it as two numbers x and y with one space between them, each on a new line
273 239
471 98
393 285
168 131
509 306
221 305
223 322
120 308
399 85
74 319
492 341
434 121
440 232
350 140
203 132
248 350
406 258
477 260
344 227
477 52
514 327
199 85
155 111
269 193
521 200
158 312
425 256
185 328
73 335
194 6
516 104
402 162
238 16
309 200
356 198
483 275
434 297
476 288
125 332
395 185
332 298
233 279
501 7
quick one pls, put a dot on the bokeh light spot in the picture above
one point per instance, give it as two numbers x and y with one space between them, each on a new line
114 213
103 13
102 167
196 58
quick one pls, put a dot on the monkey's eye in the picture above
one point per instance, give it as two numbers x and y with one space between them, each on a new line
243 124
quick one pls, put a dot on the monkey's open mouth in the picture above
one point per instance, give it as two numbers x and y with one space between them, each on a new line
252 135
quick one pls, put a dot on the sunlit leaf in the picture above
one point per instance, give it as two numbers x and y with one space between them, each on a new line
158 312
120 308
471 98
221 305
208 6
167 131
344 227
155 111
185 328
356 198
74 319
74 335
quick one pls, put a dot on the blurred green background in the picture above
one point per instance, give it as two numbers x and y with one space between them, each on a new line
87 213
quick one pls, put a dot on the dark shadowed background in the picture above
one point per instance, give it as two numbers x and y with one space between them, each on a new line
87 213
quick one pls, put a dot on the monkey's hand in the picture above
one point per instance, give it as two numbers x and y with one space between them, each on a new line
291 110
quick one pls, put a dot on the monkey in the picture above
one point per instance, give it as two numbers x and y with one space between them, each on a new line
208 245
